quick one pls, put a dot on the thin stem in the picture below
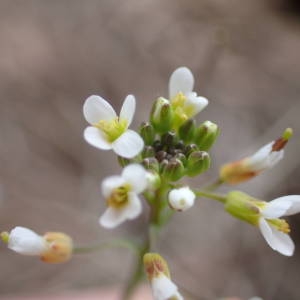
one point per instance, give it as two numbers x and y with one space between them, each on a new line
213 186
101 246
214 196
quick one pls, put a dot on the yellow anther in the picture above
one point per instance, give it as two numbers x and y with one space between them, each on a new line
280 224
119 197
112 128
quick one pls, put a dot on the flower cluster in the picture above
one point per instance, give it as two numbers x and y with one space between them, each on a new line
155 160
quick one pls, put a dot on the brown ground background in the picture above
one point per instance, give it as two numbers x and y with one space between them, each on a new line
53 54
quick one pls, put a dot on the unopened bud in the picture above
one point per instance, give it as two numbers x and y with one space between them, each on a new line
151 163
173 170
205 135
187 130
147 133
197 163
153 180
148 152
190 148
169 139
162 115
123 161
181 199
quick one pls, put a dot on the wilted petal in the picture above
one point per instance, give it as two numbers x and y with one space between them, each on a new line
136 176
181 80
26 241
128 109
95 108
277 240
96 138
294 201
129 144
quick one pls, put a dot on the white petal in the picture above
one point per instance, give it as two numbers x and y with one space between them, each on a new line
277 240
181 80
96 138
294 200
134 207
275 209
163 288
128 109
181 199
95 108
26 241
129 144
198 103
112 218
110 183
136 176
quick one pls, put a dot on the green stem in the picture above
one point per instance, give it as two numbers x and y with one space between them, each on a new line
114 243
213 186
214 196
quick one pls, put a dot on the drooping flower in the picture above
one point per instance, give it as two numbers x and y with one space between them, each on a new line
159 276
53 247
121 194
185 102
275 230
267 216
182 198
249 167
109 131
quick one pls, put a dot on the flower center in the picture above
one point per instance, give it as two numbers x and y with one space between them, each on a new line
280 224
182 110
112 128
119 197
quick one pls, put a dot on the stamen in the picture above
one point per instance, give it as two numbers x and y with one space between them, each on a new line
119 197
112 128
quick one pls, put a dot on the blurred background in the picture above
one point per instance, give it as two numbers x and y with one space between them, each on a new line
54 54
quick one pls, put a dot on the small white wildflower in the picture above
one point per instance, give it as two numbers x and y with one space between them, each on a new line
185 101
121 194
182 198
108 131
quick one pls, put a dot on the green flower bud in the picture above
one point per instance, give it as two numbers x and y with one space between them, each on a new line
243 207
161 116
190 148
181 157
148 152
206 134
151 163
172 170
147 133
187 130
169 139
197 163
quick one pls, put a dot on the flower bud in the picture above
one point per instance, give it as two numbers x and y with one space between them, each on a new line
151 163
153 180
205 135
162 115
190 148
124 161
197 163
243 207
148 152
187 130
169 139
181 199
147 133
159 277
172 170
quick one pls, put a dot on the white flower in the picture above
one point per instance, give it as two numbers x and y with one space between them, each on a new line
184 100
25 241
108 131
181 199
275 230
121 194
163 288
